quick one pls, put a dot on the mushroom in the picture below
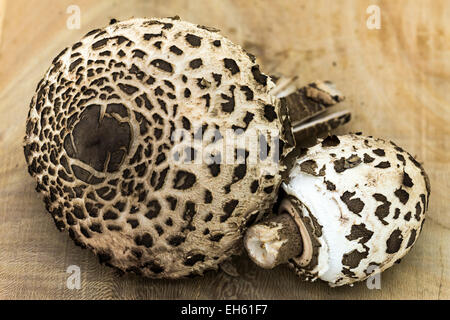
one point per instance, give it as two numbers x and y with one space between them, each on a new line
127 139
353 206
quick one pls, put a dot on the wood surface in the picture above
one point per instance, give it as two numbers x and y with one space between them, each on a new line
396 80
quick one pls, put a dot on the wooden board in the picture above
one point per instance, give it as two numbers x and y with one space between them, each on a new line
397 83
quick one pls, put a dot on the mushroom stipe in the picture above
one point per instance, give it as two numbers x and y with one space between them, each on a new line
274 241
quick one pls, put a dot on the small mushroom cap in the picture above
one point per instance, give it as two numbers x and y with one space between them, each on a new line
101 141
363 201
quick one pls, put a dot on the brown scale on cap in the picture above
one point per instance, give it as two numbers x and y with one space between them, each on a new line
101 143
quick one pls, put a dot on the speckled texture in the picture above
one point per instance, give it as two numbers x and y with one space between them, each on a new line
364 200
98 143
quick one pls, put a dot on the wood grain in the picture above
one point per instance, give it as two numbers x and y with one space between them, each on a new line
396 80
2 17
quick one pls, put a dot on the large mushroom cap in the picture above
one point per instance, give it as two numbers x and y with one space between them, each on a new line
361 201
101 143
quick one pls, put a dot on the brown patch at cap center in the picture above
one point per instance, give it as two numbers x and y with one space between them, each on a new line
100 143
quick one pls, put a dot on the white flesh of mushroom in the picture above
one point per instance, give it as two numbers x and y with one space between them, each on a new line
263 244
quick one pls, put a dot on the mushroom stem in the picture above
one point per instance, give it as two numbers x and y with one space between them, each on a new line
274 241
